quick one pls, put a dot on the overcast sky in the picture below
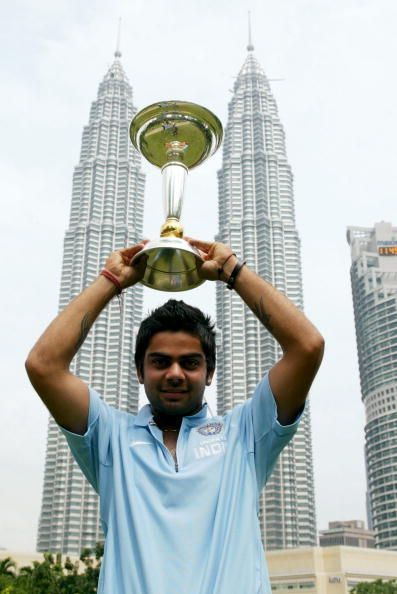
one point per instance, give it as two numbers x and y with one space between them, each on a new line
337 101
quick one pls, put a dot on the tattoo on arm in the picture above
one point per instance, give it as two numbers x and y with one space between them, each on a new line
262 316
84 329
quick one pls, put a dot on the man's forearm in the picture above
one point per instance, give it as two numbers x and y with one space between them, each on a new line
66 395
276 312
302 344
65 335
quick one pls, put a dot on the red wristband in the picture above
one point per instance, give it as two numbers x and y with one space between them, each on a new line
113 279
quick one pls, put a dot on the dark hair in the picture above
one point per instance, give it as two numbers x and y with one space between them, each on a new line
177 316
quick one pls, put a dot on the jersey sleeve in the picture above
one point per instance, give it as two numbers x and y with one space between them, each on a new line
264 435
92 449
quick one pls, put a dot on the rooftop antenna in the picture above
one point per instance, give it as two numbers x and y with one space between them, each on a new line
117 53
250 47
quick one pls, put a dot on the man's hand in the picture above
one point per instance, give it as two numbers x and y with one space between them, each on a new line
120 264
215 255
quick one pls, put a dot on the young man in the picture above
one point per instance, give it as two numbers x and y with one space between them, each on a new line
179 490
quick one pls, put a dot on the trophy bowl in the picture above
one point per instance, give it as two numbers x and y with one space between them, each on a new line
175 136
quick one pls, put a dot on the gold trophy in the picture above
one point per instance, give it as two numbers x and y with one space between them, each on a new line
175 136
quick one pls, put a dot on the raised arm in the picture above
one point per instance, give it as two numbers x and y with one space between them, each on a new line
302 345
47 365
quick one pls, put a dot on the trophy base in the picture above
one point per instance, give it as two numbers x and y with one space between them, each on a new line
171 265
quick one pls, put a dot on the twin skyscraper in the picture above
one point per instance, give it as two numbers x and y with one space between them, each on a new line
256 218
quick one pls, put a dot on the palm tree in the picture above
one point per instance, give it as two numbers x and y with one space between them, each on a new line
7 567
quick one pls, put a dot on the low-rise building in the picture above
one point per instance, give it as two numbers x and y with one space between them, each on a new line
328 570
351 533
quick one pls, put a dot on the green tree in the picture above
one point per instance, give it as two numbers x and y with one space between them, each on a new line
7 574
7 567
89 579
45 576
51 577
377 587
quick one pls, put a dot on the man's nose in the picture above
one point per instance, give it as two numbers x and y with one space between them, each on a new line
175 372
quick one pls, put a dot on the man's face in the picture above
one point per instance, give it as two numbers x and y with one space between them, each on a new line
175 373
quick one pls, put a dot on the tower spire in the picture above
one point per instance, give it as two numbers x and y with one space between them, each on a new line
250 47
117 53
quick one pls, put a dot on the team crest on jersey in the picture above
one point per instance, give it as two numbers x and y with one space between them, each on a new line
210 429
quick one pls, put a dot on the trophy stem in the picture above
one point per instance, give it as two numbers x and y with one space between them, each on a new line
174 176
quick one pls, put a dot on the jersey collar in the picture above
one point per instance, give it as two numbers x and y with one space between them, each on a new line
145 416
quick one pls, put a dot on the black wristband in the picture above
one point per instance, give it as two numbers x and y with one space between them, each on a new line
220 270
233 276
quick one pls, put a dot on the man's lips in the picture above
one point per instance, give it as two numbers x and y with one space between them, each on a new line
173 393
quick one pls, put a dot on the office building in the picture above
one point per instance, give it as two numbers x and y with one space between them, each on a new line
257 219
106 214
328 570
374 287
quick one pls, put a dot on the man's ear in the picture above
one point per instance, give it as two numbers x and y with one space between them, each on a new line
210 375
139 375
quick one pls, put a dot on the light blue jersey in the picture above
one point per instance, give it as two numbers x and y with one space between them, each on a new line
190 527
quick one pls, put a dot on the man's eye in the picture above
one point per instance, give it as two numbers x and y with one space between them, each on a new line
191 363
159 362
